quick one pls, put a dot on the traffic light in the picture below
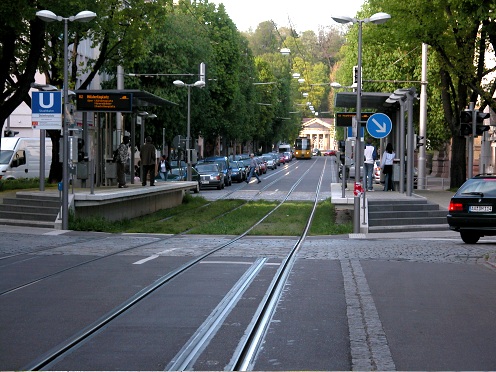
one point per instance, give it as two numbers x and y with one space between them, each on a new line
80 149
342 150
355 76
419 141
466 122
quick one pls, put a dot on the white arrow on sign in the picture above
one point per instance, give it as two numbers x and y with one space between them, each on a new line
382 128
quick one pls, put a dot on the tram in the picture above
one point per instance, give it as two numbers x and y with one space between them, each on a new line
303 148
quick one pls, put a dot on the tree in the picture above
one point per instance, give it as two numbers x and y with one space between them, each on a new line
118 34
461 34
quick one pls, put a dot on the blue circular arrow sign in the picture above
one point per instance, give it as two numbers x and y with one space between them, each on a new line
379 125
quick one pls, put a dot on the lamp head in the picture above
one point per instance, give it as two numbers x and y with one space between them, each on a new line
379 18
342 19
199 84
84 16
47 16
178 83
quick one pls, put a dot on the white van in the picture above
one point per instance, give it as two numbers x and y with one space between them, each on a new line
20 157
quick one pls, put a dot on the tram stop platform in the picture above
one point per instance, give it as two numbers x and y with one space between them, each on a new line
42 208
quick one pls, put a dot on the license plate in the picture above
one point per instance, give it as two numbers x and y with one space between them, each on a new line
480 208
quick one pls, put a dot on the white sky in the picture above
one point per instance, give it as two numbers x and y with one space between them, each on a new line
304 15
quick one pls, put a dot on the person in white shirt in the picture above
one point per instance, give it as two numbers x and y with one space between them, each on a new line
368 164
387 166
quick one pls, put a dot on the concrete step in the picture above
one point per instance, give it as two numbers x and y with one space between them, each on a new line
408 228
28 223
30 210
25 216
405 215
406 221
42 202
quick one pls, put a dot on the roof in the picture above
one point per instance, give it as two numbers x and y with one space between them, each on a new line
140 97
370 100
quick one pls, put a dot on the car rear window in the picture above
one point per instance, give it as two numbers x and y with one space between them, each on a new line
486 186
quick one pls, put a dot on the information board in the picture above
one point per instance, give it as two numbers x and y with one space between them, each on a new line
344 119
105 102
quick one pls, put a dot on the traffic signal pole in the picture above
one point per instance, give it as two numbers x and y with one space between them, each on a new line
471 108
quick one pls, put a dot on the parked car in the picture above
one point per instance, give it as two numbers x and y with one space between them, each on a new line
472 210
238 171
181 174
316 152
224 166
262 165
329 153
211 175
270 160
287 157
377 171
282 158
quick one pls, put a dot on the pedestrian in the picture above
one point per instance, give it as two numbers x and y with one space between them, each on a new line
369 153
122 157
387 167
164 167
253 167
148 160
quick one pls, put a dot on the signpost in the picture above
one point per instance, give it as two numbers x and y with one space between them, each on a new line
379 125
46 110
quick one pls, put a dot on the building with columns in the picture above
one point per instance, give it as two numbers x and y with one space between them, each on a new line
321 131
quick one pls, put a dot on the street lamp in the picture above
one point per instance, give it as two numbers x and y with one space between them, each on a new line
198 84
377 18
49 16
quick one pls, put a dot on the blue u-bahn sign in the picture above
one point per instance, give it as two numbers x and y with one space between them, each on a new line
46 110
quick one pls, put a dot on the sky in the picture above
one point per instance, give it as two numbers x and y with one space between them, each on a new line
303 15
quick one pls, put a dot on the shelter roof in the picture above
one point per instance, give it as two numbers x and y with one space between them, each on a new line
370 100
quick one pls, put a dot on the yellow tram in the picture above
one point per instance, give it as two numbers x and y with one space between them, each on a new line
303 148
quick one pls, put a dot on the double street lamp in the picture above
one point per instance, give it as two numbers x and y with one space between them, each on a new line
49 16
198 84
377 18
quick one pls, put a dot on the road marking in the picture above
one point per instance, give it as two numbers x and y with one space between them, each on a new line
146 259
369 346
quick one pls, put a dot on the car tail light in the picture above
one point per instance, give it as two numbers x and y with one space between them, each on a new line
455 207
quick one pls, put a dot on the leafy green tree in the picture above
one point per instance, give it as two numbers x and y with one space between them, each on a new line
461 35
118 31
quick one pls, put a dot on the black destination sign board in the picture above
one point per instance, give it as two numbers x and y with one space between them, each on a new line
105 102
345 119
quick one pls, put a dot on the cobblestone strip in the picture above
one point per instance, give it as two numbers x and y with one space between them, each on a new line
369 347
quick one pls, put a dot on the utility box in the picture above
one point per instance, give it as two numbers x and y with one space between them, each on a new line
82 170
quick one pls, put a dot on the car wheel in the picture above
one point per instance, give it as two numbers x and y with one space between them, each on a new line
469 237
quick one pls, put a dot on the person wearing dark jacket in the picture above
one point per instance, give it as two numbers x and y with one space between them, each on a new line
148 155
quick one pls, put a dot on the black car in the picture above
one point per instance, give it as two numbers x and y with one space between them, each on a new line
472 210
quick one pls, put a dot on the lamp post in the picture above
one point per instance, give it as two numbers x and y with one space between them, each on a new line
198 84
377 18
49 16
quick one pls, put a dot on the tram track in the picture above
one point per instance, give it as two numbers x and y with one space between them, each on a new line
140 246
247 347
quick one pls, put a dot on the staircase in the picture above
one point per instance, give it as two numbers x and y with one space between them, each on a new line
405 215
30 210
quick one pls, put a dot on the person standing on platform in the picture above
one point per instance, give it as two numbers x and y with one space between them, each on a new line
148 155
121 159
368 164
164 167
387 167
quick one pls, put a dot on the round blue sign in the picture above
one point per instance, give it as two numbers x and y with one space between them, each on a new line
379 125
